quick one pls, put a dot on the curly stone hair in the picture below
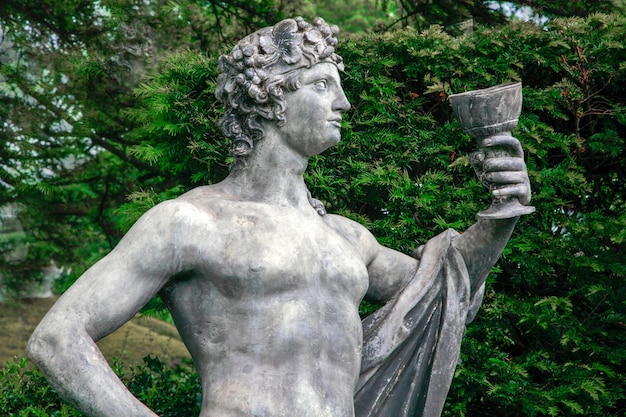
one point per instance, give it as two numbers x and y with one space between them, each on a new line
261 67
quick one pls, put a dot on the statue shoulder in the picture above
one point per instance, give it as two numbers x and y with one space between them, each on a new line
353 231
188 210
203 200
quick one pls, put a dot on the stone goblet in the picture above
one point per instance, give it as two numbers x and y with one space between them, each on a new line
486 113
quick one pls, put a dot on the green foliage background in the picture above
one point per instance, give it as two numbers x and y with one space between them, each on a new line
550 337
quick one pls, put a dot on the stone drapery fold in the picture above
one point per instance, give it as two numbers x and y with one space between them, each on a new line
411 345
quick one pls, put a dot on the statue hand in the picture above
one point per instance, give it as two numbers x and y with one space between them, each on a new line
503 172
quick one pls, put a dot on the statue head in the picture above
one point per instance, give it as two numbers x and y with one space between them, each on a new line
261 67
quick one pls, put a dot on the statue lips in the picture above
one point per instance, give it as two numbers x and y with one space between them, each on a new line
336 122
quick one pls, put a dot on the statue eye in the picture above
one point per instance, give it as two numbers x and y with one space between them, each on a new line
321 84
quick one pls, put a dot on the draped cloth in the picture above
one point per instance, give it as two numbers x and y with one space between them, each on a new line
411 345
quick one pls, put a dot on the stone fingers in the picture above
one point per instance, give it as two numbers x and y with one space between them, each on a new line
512 144
504 164
520 190
506 177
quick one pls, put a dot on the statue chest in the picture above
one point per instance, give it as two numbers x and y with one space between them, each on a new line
279 251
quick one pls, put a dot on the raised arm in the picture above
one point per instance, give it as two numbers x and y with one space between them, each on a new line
109 294
482 244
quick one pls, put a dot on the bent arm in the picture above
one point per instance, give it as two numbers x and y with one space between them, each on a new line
109 294
482 244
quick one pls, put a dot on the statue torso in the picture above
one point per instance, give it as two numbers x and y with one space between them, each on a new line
269 310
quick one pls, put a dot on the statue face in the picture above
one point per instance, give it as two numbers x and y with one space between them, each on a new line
313 111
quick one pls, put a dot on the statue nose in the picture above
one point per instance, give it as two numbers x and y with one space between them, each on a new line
341 103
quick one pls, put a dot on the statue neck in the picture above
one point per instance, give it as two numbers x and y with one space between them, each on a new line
272 174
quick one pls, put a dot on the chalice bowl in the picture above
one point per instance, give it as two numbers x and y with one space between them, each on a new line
487 113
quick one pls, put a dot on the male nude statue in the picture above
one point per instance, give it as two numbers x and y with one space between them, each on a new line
264 286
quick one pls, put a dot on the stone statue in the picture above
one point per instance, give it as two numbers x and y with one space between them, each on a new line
263 285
